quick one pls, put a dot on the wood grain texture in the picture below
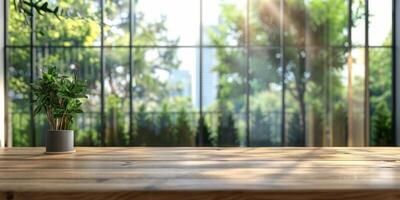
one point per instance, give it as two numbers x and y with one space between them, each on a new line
201 173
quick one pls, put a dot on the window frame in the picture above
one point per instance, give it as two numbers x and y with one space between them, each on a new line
5 134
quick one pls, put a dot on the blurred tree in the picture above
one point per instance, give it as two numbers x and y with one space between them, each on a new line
116 126
165 128
382 126
206 133
18 86
380 85
261 129
227 131
295 137
183 130
18 91
144 128
87 137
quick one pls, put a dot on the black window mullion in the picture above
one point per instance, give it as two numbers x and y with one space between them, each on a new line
102 72
349 131
130 74
132 31
7 134
395 77
247 36
200 141
282 64
32 65
366 81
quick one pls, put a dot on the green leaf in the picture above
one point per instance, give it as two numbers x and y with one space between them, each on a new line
58 94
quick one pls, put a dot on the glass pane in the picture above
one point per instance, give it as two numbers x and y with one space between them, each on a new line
164 96
18 79
265 22
380 22
358 28
266 97
116 84
297 79
172 22
294 22
338 96
81 28
380 88
18 28
315 22
224 95
356 93
336 23
346 97
116 22
85 62
224 22
317 85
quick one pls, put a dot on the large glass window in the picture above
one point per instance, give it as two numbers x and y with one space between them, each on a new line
211 73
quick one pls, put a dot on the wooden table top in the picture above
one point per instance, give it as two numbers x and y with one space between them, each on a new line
138 169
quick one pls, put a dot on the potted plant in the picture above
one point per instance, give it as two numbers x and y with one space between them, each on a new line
60 98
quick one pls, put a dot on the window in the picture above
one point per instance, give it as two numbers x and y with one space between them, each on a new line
211 73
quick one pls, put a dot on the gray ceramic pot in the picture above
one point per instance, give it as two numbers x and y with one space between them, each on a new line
61 141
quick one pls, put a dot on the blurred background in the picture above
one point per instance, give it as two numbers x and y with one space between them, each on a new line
211 72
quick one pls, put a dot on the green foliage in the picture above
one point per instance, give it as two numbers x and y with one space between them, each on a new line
205 130
59 96
18 84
